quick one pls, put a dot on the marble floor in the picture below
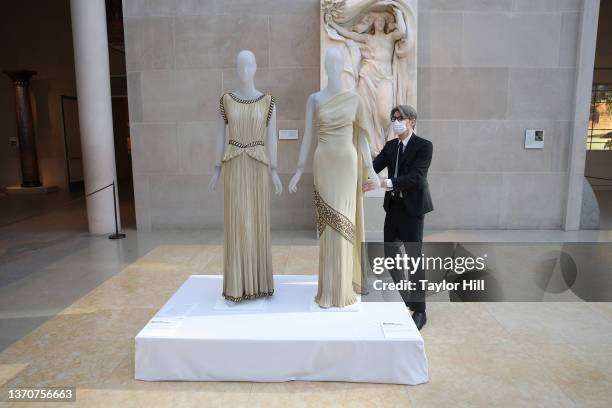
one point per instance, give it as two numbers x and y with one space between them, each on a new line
71 304
485 354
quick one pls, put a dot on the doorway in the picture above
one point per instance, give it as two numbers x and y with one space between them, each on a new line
598 166
72 143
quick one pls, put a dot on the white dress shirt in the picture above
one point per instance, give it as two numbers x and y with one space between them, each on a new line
388 182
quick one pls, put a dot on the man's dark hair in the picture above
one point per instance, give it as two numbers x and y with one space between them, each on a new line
407 112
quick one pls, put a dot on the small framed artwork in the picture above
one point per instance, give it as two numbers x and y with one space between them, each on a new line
288 134
534 139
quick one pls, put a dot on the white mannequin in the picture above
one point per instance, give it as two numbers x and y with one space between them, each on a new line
246 68
334 64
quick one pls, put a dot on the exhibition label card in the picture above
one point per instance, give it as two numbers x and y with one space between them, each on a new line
162 326
398 330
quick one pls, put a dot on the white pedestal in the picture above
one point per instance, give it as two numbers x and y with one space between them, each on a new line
191 340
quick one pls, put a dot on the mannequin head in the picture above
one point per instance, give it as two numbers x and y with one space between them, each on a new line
334 62
246 65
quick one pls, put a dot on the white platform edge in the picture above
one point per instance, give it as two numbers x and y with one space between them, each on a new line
420 377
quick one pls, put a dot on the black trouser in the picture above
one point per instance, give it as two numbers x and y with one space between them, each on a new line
399 226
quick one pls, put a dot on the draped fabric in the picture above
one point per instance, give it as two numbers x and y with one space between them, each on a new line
338 173
247 254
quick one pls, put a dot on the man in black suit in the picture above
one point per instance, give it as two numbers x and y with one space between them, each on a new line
407 199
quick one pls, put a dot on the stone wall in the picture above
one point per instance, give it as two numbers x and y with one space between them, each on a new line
180 59
488 69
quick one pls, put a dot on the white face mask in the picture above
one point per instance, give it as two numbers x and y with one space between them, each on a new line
399 127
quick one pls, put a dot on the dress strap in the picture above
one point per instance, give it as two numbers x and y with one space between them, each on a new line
270 110
222 109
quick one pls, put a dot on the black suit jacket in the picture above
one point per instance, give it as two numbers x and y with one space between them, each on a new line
411 177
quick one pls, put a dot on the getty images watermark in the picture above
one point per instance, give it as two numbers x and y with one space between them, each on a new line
488 271
410 265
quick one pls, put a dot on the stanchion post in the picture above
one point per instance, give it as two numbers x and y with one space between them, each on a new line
117 234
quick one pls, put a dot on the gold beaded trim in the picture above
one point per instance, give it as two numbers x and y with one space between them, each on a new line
326 215
222 110
270 109
244 146
240 100
246 296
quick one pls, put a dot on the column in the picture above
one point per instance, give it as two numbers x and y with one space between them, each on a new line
582 103
95 111
25 127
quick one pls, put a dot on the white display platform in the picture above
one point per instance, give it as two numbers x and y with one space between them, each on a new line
190 340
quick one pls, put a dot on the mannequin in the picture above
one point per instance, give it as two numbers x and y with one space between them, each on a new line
341 157
246 68
334 65
247 153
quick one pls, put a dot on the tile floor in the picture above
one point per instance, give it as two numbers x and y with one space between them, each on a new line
485 354
71 304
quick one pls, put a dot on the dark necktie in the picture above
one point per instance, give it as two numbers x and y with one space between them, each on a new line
400 151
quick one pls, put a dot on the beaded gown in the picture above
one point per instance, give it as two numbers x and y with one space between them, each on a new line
338 170
247 256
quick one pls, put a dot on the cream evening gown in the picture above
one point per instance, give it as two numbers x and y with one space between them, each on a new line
247 255
338 173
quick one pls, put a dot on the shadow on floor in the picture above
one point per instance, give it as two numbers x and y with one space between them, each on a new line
604 197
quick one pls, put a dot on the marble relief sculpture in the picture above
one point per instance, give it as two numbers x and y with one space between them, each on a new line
378 38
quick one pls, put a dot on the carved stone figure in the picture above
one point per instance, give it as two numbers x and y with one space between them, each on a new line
379 40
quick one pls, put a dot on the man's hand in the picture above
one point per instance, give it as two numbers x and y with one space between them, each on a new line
370 185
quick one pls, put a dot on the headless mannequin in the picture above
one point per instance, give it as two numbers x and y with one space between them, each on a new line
246 68
334 65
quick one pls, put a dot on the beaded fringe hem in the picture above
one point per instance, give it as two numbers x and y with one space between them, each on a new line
247 296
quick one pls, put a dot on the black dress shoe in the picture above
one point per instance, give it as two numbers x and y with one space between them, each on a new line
420 318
